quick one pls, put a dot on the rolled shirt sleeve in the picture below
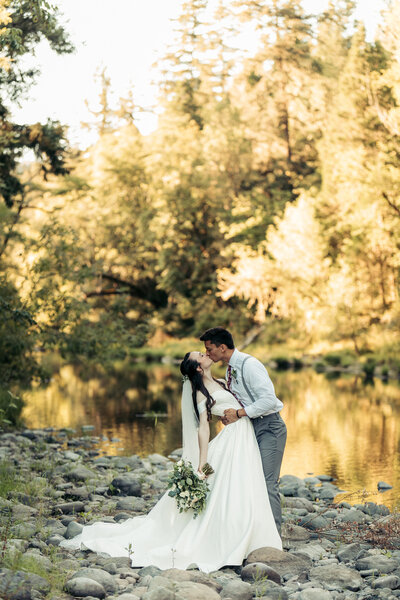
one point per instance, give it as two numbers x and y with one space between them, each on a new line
262 389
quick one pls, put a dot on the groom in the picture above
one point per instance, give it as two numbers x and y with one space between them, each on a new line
248 380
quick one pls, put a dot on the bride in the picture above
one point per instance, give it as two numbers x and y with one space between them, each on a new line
237 518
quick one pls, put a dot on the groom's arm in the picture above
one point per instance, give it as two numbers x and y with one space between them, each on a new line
262 390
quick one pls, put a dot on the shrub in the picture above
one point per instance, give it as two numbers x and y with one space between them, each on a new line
334 359
297 364
10 408
282 363
369 367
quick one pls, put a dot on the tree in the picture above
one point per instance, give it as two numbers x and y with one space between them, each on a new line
279 80
25 24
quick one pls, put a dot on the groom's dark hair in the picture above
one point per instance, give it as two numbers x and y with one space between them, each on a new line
218 336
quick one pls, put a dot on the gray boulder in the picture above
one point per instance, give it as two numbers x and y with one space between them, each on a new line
289 489
331 513
106 580
159 593
21 586
131 503
283 563
349 552
314 522
82 587
73 530
295 533
382 485
352 516
298 503
315 594
55 539
257 571
159 460
382 563
312 480
237 590
189 590
79 473
290 480
150 570
77 493
21 511
160 581
268 590
69 508
41 561
390 581
313 551
326 493
337 575
192 575
304 492
127 462
127 485
373 509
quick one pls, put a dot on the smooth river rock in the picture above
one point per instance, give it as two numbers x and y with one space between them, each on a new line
283 563
390 581
127 484
83 586
18 585
338 576
382 563
257 571
315 594
237 590
189 590
194 576
295 533
102 577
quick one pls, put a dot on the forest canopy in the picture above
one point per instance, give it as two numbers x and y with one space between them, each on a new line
268 196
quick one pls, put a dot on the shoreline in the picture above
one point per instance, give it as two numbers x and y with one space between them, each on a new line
331 551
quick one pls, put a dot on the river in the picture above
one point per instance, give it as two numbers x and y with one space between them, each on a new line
339 426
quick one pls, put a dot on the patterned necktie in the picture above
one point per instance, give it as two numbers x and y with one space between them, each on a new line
229 382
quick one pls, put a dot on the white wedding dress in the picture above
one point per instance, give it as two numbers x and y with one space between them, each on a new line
237 518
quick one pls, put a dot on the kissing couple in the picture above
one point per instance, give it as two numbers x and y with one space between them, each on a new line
243 510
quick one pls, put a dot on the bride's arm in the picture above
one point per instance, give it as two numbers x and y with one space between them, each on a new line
204 438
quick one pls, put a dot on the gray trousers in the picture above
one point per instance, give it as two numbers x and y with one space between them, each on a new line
271 438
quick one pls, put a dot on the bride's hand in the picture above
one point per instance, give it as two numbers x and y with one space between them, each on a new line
200 474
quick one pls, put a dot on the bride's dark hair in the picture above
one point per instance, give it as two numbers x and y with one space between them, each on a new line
189 369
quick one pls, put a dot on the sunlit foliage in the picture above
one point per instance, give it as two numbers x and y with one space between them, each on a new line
268 195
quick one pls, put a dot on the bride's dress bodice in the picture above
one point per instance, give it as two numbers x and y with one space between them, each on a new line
223 400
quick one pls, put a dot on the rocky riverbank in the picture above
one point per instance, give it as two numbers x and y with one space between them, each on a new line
50 486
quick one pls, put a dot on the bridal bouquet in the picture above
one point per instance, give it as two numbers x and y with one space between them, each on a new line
188 489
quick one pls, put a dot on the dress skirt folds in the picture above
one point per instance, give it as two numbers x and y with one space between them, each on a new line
237 518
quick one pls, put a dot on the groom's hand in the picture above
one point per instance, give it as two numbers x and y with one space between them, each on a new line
230 416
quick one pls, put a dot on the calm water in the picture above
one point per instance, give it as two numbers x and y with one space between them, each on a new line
340 427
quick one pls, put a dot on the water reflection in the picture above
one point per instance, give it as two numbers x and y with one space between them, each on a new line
339 427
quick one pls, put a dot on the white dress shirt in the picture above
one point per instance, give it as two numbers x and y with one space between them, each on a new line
259 383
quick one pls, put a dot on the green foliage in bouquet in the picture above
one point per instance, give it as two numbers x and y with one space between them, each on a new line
190 492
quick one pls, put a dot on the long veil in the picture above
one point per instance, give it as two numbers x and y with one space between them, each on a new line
190 424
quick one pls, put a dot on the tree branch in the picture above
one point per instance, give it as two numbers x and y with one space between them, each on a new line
391 204
145 289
